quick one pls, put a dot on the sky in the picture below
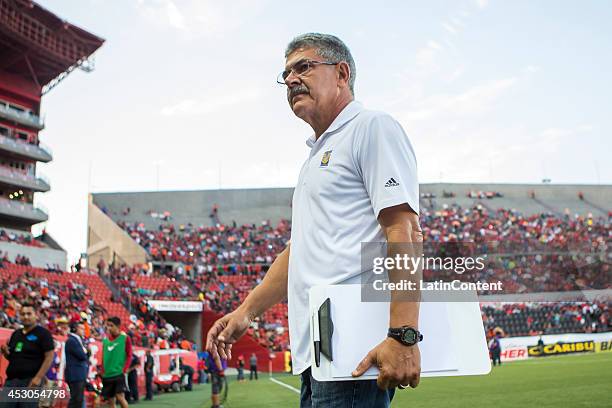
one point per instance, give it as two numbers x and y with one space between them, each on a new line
183 95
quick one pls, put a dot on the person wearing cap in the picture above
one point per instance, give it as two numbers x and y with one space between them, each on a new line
62 325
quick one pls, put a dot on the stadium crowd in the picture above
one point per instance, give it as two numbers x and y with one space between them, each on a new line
508 231
220 264
21 239
219 244
57 303
538 253
19 259
532 319
70 302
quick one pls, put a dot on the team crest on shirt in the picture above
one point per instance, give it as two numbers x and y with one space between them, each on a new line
325 158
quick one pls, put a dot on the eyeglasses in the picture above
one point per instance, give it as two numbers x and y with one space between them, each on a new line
300 68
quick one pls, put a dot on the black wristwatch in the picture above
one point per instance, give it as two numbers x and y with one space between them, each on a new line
408 336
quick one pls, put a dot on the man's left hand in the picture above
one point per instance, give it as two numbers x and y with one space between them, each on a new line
397 364
35 382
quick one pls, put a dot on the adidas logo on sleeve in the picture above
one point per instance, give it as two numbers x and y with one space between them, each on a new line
391 183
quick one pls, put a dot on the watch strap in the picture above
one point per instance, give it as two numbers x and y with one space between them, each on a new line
397 333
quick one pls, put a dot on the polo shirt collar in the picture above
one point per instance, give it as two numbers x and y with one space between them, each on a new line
351 110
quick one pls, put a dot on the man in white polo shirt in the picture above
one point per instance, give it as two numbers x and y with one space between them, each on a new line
358 184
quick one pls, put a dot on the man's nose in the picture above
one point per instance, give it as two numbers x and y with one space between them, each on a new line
292 80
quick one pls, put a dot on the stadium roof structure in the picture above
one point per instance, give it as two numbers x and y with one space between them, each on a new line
39 45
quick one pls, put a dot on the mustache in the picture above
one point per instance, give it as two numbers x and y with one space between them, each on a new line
297 90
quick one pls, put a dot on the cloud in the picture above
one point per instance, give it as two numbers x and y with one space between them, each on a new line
530 143
434 45
175 18
211 103
425 57
162 12
473 101
199 17
531 69
451 29
555 134
480 151
482 3
455 74
457 22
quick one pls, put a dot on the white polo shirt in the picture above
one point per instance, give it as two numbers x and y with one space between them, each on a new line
362 164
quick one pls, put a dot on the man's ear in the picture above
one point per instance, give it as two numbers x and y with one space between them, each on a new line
344 72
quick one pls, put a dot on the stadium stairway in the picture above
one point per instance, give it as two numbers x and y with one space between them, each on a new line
572 206
489 208
603 211
111 287
548 207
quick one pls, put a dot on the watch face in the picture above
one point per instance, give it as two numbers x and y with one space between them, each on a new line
409 336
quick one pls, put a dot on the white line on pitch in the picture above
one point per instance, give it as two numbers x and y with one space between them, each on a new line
274 380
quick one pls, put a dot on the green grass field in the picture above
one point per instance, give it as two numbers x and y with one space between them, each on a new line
565 381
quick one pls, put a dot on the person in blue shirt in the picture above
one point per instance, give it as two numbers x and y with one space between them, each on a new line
77 364
495 349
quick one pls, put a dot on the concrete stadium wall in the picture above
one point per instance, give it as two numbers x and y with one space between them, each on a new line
105 240
548 197
243 206
39 257
256 205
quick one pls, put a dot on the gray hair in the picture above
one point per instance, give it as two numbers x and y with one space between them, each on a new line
327 46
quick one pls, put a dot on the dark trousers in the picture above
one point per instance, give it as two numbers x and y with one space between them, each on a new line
16 382
343 394
189 385
496 355
77 394
132 395
149 385
253 372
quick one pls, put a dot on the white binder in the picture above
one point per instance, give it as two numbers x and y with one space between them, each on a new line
453 343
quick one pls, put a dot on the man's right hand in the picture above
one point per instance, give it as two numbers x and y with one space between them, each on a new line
5 351
225 332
